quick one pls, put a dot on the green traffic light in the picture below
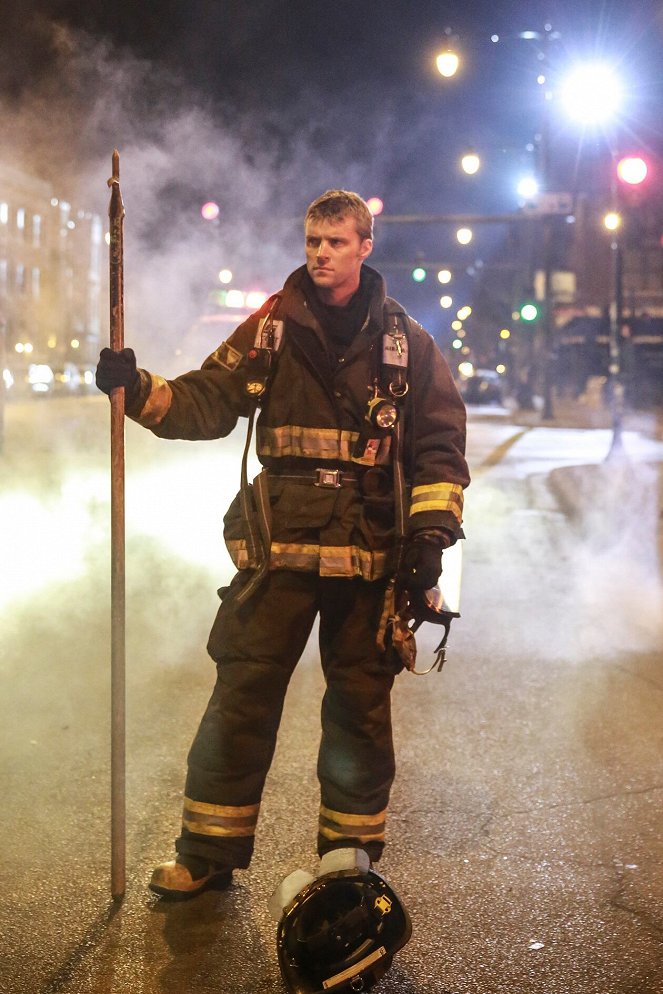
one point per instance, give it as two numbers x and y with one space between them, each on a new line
529 312
418 274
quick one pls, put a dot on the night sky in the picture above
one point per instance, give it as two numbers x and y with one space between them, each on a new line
261 106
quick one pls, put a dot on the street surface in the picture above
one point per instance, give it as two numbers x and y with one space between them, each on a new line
525 830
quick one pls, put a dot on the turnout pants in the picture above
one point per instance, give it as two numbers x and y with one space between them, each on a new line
256 648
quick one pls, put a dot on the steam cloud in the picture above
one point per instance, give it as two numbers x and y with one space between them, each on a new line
176 153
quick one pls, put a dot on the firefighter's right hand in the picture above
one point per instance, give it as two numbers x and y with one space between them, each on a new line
422 560
118 369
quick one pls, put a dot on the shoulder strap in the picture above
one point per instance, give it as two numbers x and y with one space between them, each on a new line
395 349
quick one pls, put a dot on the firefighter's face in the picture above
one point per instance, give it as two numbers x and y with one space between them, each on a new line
334 254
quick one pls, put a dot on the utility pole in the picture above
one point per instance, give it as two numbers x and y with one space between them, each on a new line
616 311
547 344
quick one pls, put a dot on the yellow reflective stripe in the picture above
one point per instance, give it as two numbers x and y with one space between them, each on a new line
237 550
340 824
438 497
219 819
328 560
286 555
158 403
306 443
350 560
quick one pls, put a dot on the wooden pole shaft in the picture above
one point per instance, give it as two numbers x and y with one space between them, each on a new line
118 609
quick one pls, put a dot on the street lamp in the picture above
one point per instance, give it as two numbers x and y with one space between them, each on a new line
592 93
470 163
447 63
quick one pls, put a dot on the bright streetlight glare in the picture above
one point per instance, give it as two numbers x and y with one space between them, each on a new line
446 301
592 93
612 221
444 276
527 188
225 276
470 163
505 333
447 64
464 312
375 205
464 236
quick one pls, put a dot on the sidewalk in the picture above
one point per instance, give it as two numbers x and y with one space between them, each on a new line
621 495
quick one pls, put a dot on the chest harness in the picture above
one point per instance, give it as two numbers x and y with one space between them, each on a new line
383 417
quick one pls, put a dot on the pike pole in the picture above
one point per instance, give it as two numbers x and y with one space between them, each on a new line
118 692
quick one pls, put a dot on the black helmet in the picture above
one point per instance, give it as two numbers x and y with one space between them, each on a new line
340 933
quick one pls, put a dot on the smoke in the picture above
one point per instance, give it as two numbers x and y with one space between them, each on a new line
179 147
614 565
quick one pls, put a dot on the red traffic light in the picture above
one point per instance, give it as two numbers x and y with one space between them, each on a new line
632 170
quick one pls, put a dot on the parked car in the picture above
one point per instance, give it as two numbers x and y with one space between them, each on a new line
484 386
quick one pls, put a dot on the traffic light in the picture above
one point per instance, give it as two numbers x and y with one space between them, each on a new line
633 174
528 311
210 211
418 274
632 170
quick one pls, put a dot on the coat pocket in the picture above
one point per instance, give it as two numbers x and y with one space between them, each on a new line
302 506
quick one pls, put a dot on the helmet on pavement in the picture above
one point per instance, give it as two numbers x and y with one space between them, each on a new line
340 933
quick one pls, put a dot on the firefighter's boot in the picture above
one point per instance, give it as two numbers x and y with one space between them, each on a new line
188 876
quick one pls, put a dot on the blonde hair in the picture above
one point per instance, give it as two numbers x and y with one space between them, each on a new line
337 204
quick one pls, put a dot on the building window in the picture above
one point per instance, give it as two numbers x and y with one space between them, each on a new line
20 219
4 213
36 282
36 230
19 277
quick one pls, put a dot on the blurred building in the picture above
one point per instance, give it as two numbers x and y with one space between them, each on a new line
582 288
50 277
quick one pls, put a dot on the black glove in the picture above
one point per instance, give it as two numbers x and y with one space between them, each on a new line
118 369
422 560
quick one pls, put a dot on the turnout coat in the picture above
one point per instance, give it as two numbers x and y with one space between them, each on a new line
312 419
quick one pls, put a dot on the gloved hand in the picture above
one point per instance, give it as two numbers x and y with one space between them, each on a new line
422 560
118 369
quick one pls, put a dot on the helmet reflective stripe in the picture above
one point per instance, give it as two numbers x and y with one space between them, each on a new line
219 819
438 497
342 825
352 971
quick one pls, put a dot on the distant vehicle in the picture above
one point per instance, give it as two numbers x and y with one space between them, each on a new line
67 379
483 387
40 379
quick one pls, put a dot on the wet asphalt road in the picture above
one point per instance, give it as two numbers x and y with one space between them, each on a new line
525 830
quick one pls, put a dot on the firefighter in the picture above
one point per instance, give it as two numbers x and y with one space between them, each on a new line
361 434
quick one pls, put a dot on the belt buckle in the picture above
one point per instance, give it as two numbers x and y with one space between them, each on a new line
328 478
